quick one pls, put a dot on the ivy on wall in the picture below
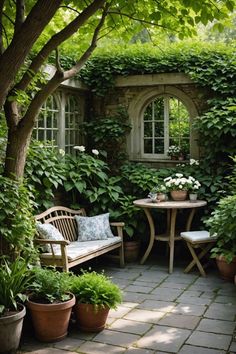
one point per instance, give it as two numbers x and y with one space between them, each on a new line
210 66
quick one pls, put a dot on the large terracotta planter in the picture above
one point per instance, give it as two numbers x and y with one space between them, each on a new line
178 195
131 251
227 270
91 318
10 330
51 321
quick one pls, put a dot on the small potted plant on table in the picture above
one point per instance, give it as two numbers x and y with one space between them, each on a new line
222 223
50 304
158 193
95 296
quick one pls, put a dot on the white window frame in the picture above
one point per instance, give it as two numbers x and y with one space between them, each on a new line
136 111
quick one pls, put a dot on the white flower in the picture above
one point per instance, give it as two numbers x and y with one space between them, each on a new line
95 152
62 152
179 175
193 162
81 148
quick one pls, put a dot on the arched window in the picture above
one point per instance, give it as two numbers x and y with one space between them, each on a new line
161 116
165 122
46 128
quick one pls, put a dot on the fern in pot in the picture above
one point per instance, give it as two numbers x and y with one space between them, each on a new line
14 281
50 304
95 295
222 223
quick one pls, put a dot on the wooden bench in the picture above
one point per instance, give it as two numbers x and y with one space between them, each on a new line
72 252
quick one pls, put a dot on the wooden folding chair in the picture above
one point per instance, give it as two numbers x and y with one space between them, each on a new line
198 240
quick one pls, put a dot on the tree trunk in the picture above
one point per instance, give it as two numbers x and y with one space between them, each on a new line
17 144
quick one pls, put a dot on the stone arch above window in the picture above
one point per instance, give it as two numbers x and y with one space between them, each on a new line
143 144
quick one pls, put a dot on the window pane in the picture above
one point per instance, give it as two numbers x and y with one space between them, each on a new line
159 129
48 135
159 146
159 109
41 120
148 112
148 146
41 135
148 129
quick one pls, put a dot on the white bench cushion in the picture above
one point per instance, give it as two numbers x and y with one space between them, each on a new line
197 236
77 249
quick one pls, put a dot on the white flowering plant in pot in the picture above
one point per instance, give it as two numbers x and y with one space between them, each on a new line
173 150
180 182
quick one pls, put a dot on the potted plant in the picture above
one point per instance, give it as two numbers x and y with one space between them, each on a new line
179 185
158 193
14 280
50 304
174 152
95 296
193 187
222 223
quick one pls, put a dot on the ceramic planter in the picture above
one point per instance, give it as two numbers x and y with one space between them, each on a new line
91 318
10 330
193 197
178 195
131 251
51 321
227 270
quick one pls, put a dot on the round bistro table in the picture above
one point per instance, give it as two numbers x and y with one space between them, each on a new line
170 236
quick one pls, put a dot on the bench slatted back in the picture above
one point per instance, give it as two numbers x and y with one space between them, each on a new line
63 219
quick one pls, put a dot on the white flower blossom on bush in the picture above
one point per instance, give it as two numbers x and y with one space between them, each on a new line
193 162
62 152
95 152
81 148
180 182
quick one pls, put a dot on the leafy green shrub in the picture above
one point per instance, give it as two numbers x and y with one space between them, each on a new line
222 223
49 285
97 289
17 225
45 172
14 282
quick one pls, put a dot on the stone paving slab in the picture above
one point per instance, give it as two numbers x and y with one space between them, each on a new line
98 348
139 289
189 309
210 340
165 294
157 305
190 349
164 338
216 326
69 344
128 326
116 338
221 312
179 321
144 316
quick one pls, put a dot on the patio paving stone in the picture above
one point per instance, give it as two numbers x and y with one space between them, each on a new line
189 309
216 326
144 316
185 298
210 340
119 312
190 349
157 305
226 312
163 338
139 289
128 326
180 321
69 344
116 338
99 348
165 294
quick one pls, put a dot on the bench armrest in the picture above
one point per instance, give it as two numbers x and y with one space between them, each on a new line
121 224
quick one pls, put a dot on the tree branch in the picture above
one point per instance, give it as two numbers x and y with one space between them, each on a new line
11 114
1 26
57 39
14 56
76 68
20 14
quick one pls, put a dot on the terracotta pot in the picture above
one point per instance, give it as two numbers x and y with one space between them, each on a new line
91 318
10 330
131 251
227 270
178 195
51 321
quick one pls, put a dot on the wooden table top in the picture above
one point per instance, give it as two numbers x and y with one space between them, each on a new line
169 204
